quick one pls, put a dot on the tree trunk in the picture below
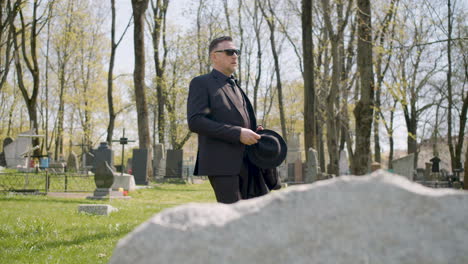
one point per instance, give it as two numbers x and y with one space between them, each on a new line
271 24
364 108
110 78
309 87
139 7
158 33
31 62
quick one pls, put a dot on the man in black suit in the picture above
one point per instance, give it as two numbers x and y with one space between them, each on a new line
223 117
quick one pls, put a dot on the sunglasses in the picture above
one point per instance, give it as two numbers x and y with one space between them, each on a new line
230 52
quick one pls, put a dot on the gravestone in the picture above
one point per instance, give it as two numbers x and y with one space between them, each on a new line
6 142
57 166
72 163
104 153
291 177
159 160
404 166
343 163
89 159
427 171
140 165
312 168
298 176
2 159
129 166
283 172
294 148
97 209
174 163
15 151
104 179
382 218
419 174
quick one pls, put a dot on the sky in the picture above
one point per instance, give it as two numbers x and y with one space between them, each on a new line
124 58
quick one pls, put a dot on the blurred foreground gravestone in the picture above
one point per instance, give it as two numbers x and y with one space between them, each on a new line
360 230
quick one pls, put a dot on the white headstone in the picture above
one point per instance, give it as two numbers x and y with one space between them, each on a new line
344 220
312 167
125 181
97 209
343 163
294 148
15 151
404 166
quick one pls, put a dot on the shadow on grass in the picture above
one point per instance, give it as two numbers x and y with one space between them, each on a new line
34 199
85 239
165 189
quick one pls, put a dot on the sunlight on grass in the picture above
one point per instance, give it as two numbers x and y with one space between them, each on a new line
41 229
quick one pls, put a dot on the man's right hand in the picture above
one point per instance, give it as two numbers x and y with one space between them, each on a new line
248 137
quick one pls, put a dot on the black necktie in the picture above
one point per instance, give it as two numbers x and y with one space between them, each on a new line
236 91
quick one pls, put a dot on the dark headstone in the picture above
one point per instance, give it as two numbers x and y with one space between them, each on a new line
118 168
174 163
435 164
140 166
90 158
104 153
2 159
104 176
291 168
7 141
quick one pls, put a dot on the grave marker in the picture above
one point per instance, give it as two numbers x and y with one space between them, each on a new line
174 163
140 166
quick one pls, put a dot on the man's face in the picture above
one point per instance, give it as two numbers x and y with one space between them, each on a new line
222 61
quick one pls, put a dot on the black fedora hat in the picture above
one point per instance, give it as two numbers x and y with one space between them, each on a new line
269 152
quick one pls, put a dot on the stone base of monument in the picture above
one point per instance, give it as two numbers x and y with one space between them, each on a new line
125 181
107 193
96 209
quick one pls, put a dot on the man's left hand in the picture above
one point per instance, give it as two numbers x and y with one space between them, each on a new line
259 127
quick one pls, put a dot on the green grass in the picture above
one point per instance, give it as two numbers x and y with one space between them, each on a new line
41 229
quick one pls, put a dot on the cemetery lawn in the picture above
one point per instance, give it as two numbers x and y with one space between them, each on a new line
44 229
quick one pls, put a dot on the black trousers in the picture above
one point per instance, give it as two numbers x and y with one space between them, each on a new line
231 188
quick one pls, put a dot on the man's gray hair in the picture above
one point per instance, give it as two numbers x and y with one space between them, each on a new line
214 43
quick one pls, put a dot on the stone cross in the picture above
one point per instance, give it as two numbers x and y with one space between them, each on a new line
123 141
83 145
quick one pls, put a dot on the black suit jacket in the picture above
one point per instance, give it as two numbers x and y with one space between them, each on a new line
216 114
